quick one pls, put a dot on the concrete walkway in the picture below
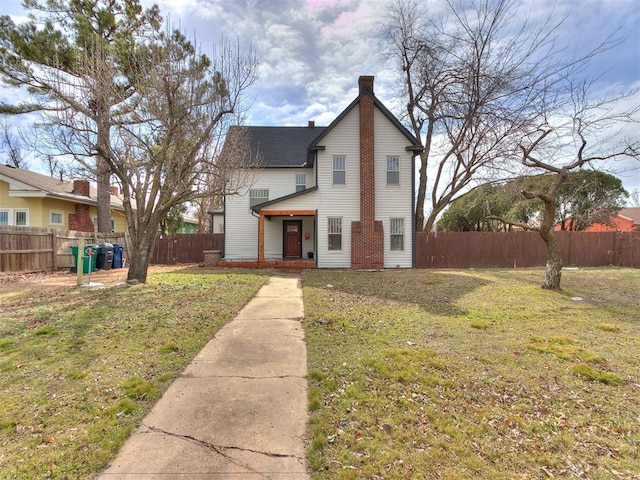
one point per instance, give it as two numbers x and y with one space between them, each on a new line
238 411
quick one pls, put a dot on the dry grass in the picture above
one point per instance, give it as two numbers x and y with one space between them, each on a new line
79 367
473 374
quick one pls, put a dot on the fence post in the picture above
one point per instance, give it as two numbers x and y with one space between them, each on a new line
54 248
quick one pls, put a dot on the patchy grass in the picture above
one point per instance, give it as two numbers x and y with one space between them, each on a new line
473 374
80 367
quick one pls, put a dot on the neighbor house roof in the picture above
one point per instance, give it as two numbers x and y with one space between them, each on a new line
632 213
25 183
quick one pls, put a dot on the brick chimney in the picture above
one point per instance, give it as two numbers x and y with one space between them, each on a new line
81 220
81 187
367 249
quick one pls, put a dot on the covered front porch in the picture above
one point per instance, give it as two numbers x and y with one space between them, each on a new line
286 239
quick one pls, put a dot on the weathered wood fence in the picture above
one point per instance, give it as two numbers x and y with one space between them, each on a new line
525 249
185 247
24 249
28 249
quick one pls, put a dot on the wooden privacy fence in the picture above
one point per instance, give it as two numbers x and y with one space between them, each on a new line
525 249
28 249
185 247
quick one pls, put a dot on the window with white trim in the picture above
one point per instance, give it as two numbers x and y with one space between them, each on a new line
397 234
21 218
4 217
56 218
301 181
334 231
393 170
258 196
339 170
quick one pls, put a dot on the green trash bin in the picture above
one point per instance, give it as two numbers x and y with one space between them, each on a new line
89 261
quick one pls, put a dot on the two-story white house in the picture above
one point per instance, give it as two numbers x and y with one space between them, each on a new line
340 196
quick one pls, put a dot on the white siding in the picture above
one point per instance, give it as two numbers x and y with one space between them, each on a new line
241 227
328 200
340 200
393 201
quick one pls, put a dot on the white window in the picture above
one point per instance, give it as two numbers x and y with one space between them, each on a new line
21 218
4 217
301 181
393 170
258 196
339 170
334 230
56 218
397 234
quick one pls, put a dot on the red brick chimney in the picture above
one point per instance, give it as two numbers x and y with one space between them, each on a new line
367 249
81 187
81 220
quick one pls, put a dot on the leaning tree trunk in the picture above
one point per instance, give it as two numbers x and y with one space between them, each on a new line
553 271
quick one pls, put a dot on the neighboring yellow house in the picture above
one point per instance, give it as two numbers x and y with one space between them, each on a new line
31 199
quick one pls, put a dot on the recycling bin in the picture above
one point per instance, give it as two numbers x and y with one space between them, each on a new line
104 258
117 256
88 261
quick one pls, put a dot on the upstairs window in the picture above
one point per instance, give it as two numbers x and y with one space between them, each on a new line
393 170
334 229
258 196
301 181
397 234
339 170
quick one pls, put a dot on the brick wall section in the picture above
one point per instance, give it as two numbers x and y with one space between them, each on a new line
367 248
81 220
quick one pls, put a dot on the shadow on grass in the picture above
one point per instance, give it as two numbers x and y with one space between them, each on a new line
435 292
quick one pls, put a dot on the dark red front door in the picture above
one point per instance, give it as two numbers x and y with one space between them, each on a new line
292 234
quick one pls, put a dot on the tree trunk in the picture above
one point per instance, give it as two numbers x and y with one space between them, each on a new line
553 272
139 259
422 193
103 180
140 245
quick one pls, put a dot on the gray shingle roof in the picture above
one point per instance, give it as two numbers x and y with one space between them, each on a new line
280 146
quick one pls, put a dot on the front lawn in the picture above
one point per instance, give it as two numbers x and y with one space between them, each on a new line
473 374
79 367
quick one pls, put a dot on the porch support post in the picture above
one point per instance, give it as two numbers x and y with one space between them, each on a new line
261 238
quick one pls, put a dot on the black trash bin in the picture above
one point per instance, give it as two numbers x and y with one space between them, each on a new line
104 259
117 256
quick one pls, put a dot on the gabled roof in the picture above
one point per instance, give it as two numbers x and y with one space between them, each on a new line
31 184
275 147
415 144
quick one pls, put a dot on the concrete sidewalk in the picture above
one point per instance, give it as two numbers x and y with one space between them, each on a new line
239 410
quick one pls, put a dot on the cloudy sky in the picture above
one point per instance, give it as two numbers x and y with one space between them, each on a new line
311 52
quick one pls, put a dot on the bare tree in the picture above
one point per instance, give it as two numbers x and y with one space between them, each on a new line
62 56
578 132
162 151
473 79
11 145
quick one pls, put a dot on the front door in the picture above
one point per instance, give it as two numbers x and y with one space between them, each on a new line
292 233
